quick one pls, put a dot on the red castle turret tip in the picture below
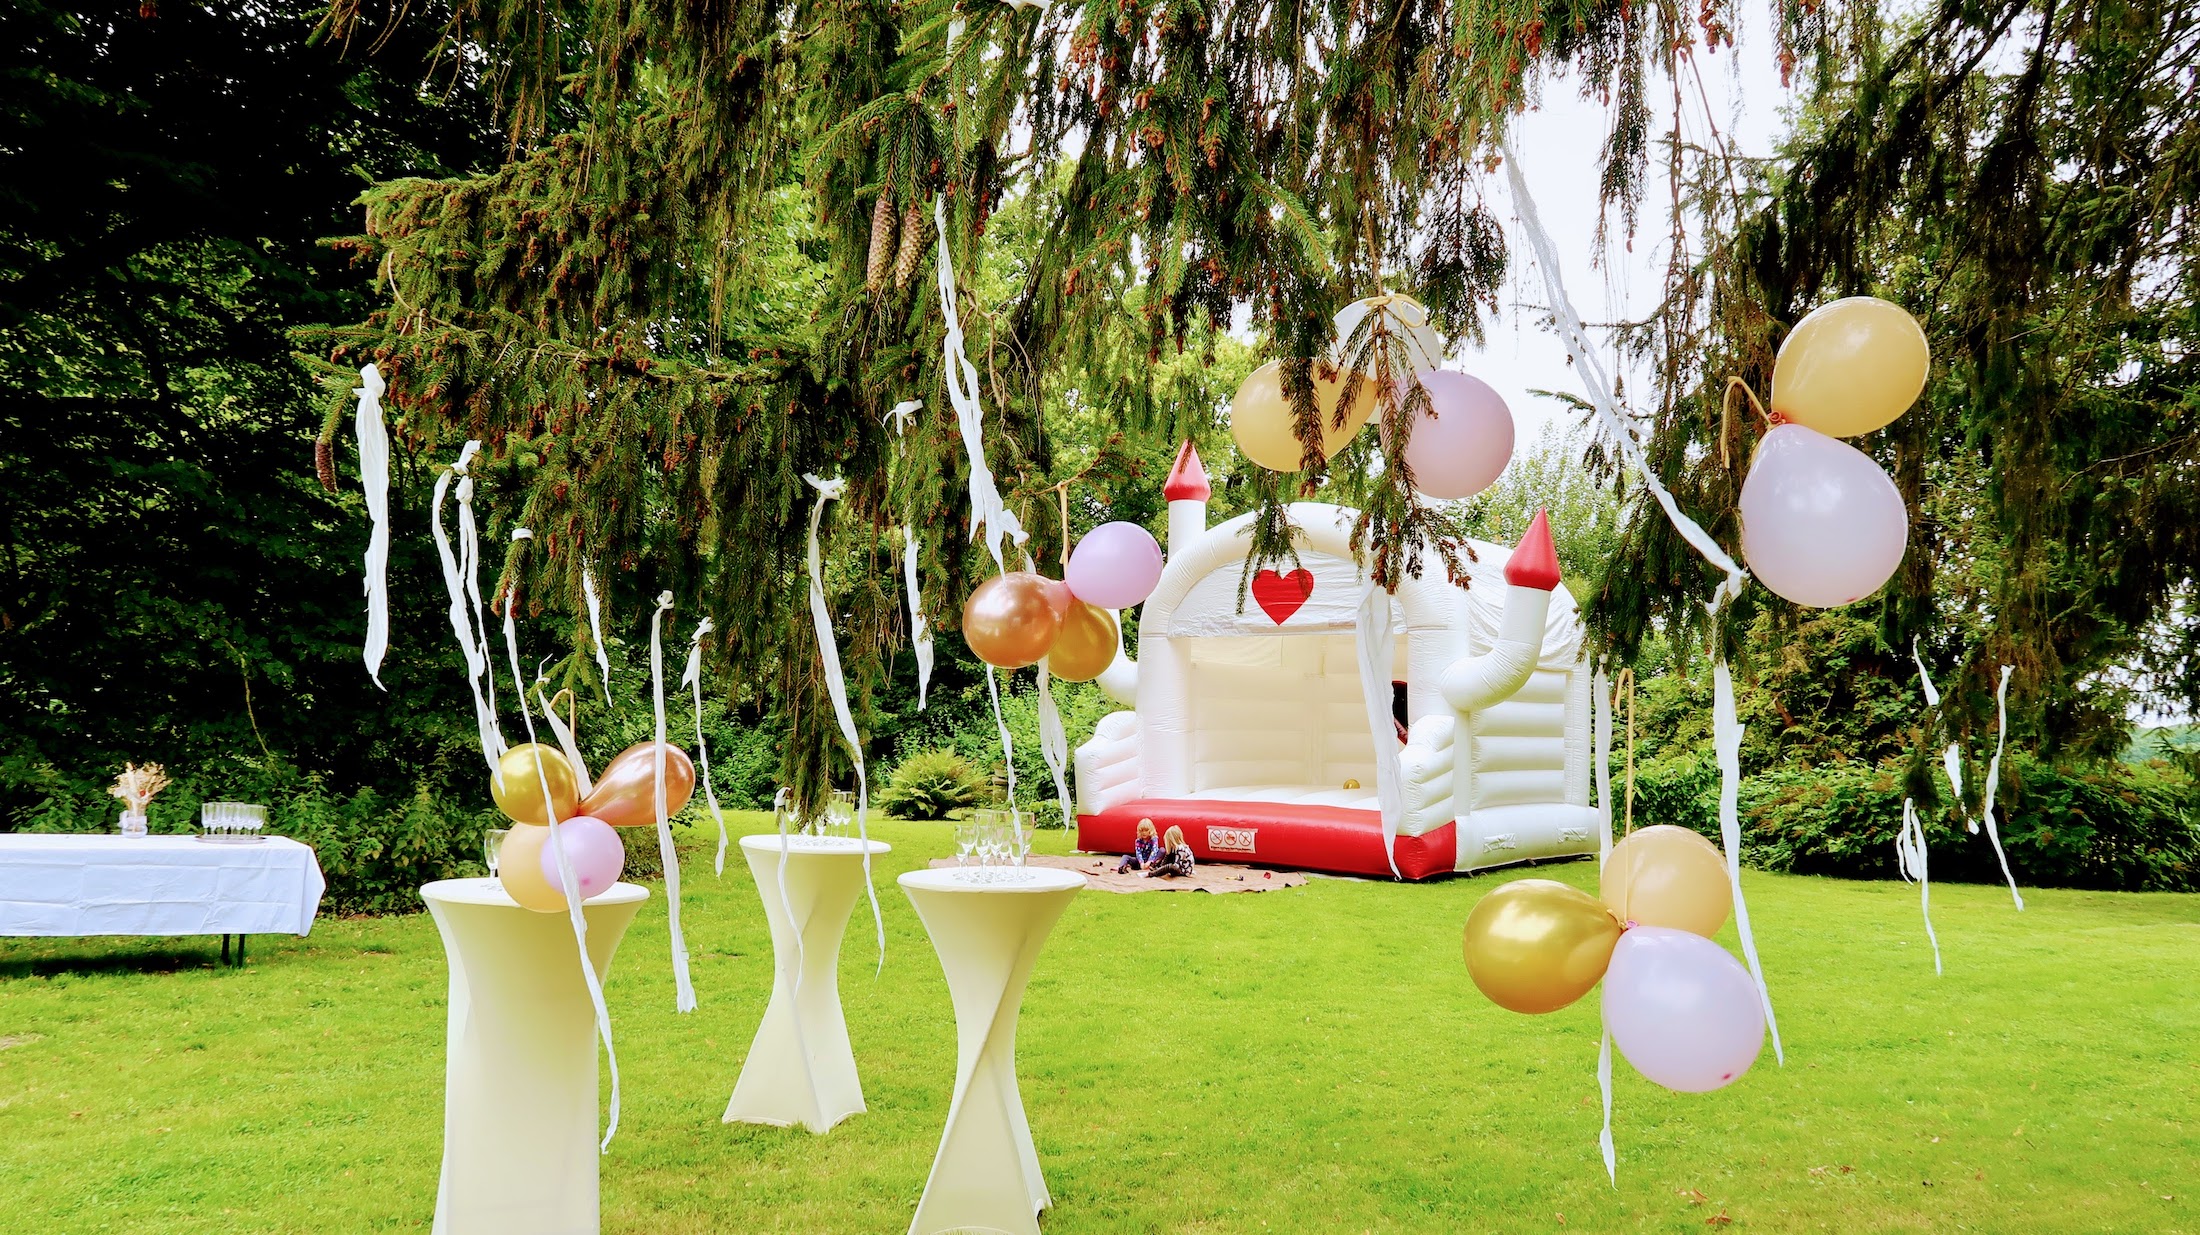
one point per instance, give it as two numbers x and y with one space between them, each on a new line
1187 481
1534 562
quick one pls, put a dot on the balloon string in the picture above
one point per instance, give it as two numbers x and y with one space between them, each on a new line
1624 685
1726 414
1061 493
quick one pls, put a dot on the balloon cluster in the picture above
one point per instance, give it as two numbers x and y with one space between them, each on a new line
1457 450
534 784
1823 525
1680 1008
1022 617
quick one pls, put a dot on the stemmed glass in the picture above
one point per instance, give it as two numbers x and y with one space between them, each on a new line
966 844
492 840
840 813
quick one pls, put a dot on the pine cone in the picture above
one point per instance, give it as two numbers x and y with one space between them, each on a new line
882 239
912 246
324 462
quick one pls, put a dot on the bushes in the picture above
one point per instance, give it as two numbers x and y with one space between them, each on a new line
932 784
2110 826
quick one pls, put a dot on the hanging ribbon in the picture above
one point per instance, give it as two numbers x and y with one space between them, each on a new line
1726 725
902 416
920 631
469 566
1993 780
1373 637
565 870
374 479
1054 743
564 730
469 645
836 687
595 631
693 679
1604 1083
683 989
1603 687
1909 848
990 518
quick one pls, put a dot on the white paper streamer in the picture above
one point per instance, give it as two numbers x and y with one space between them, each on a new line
1373 640
595 631
374 479
471 646
836 687
1599 386
1604 1083
1932 695
920 631
683 989
1054 743
565 874
1909 849
990 518
469 566
1993 780
693 679
902 416
1951 759
1726 731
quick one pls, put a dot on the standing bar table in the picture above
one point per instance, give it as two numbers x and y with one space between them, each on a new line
988 935
800 1071
519 1100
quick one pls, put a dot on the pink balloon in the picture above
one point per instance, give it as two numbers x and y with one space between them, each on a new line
1460 447
1822 524
1681 1010
1115 566
595 850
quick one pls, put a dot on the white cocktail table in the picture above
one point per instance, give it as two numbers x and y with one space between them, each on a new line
67 884
800 1071
988 935
519 1100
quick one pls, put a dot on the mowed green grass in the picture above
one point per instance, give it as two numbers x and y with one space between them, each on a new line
1304 1060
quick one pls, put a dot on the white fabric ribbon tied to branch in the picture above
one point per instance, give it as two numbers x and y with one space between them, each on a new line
1373 641
836 687
683 988
990 518
693 680
595 630
374 481
457 572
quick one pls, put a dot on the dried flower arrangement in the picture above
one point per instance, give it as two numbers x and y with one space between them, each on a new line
136 786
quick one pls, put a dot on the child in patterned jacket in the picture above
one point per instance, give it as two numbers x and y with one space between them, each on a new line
1145 853
1176 856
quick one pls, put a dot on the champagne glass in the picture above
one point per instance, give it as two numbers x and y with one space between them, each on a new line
492 840
966 844
840 812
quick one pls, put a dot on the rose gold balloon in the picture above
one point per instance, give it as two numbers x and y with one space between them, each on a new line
1086 646
625 795
1010 621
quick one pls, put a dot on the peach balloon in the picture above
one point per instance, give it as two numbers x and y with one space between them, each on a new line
1261 419
1010 620
625 795
1850 367
519 869
1667 876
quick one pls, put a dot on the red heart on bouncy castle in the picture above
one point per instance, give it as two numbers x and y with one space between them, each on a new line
1281 595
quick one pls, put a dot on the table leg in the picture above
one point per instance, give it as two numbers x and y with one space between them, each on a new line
225 949
800 1070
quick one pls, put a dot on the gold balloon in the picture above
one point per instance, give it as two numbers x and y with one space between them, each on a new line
517 787
1261 420
1086 646
625 795
519 869
1010 620
1850 367
1668 876
1536 945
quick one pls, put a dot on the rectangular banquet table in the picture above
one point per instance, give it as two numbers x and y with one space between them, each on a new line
56 884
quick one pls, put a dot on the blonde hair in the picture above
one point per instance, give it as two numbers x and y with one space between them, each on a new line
1145 828
1173 837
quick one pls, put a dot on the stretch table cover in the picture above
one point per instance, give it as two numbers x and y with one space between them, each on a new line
155 885
800 1071
519 1104
986 1176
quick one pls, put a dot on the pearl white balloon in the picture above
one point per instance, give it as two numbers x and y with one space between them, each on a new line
1681 1009
1423 345
1822 525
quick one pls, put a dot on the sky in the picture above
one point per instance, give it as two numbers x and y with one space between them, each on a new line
1559 146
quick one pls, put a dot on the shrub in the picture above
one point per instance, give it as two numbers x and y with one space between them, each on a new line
931 784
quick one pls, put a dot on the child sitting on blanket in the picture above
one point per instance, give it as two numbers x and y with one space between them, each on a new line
1145 853
1176 856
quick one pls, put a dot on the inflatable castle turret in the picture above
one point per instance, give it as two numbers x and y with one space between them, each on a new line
1250 724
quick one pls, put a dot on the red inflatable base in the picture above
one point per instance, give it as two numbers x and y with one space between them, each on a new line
1320 838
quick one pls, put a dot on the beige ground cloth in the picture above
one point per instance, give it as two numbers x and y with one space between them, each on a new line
1099 873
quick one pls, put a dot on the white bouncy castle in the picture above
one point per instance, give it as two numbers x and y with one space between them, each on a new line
1326 725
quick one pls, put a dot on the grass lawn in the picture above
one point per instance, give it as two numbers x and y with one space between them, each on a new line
1309 1060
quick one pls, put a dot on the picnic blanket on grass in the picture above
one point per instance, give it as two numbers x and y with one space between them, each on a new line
1099 873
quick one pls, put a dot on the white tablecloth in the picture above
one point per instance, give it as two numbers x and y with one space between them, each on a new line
70 884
